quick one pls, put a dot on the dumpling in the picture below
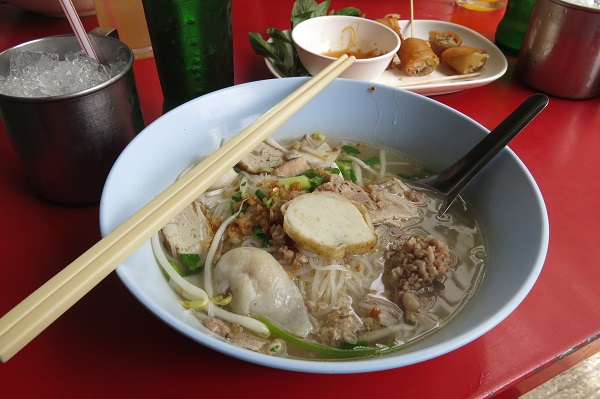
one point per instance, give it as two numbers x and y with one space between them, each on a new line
261 287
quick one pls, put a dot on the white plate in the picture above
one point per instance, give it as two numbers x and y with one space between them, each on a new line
494 68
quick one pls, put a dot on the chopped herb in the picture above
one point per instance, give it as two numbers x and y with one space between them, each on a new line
261 235
237 197
372 161
302 180
269 202
316 182
310 174
348 173
353 345
350 150
359 351
260 195
191 261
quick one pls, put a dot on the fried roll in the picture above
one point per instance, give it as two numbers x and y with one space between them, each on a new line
465 59
416 57
441 40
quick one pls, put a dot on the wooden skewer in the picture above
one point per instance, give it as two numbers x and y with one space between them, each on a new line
435 80
26 320
412 18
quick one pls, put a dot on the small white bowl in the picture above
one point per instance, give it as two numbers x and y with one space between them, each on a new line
316 36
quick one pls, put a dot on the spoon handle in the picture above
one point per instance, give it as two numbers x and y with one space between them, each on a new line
452 180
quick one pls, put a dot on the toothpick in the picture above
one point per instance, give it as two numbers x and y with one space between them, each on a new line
412 18
435 80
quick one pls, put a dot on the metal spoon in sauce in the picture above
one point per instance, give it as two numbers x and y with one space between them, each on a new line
451 181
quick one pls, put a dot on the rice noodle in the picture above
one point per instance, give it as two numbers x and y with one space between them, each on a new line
352 37
382 162
193 292
216 241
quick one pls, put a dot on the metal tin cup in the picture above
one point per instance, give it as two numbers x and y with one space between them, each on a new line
68 143
560 54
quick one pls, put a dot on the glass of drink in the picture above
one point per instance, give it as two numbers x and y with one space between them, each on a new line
193 47
68 118
127 17
482 5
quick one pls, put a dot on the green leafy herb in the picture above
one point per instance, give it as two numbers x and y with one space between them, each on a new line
347 172
350 150
261 235
237 197
372 161
191 261
311 174
357 351
279 49
302 180
260 195
354 345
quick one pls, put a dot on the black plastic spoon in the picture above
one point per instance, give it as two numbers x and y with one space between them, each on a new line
451 181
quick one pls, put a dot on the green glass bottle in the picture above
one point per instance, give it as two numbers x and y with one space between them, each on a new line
193 47
511 30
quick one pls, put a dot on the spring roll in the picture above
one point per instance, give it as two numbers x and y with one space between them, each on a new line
441 40
416 57
465 59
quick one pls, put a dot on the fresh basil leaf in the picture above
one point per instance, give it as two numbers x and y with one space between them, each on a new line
350 11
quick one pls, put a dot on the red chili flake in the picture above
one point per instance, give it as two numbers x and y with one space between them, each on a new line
374 312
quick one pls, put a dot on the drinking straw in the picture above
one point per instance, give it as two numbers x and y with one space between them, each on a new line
78 28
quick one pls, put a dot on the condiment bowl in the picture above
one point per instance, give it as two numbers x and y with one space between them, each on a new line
504 197
315 37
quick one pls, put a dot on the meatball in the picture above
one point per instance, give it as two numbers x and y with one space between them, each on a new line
415 266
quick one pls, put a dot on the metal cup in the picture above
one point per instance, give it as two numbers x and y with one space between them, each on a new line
560 54
67 144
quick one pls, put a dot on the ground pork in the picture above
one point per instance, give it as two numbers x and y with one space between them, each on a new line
340 325
414 266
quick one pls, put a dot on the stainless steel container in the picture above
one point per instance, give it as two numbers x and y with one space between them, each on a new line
67 144
561 52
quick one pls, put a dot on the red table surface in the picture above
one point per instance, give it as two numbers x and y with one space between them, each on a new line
109 345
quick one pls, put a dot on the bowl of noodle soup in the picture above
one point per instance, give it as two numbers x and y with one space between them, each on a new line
357 310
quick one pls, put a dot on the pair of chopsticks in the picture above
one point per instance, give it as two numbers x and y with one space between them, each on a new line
26 320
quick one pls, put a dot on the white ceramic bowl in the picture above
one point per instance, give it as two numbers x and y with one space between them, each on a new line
316 36
504 195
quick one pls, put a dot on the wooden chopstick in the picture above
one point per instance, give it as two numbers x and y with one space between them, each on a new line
435 80
30 317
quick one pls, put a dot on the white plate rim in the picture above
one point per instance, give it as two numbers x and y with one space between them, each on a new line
496 67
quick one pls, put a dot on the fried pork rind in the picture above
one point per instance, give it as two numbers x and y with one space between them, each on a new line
441 40
391 21
416 57
465 59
